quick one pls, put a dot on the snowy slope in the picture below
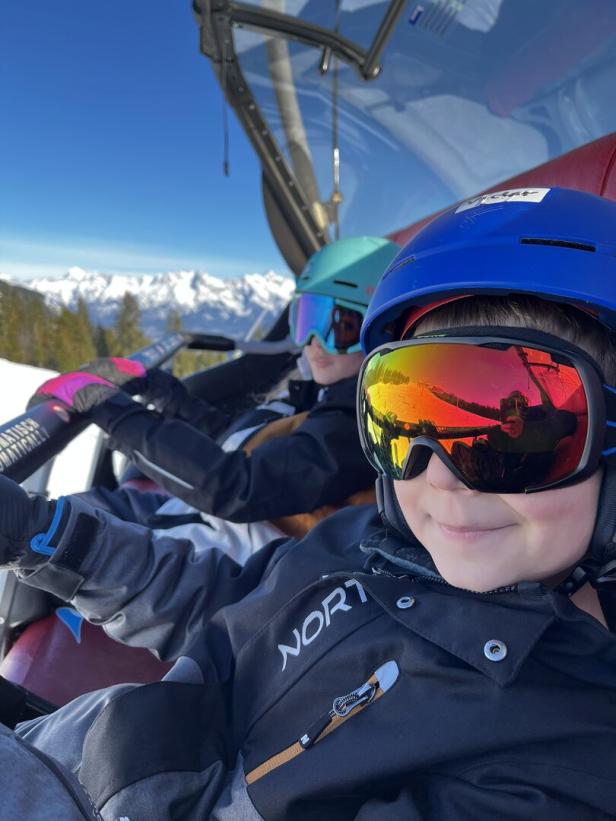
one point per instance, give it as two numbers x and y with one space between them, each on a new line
206 303
71 468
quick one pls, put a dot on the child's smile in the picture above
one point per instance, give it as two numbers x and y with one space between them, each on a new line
482 541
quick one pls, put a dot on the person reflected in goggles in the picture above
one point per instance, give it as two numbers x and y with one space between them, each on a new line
521 447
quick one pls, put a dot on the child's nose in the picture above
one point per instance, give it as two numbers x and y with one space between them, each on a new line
314 343
439 476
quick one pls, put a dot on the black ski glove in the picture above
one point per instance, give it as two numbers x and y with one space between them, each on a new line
29 526
162 390
127 374
171 399
157 387
166 392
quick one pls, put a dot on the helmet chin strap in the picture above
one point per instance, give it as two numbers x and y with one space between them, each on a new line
389 509
599 564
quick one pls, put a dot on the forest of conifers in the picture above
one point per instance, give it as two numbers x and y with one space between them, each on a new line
62 339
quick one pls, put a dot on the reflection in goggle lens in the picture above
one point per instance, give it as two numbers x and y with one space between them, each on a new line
336 326
508 417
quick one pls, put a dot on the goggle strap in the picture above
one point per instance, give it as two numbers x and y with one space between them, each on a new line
609 449
606 577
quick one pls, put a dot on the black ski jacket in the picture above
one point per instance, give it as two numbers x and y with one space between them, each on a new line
335 678
320 463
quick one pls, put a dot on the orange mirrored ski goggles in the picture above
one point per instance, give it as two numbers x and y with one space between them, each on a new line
506 414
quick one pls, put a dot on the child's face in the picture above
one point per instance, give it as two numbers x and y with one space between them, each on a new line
481 541
328 368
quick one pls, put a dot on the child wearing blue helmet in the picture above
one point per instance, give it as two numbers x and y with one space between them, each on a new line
506 343
451 656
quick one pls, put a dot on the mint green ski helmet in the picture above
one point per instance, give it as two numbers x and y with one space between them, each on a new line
334 289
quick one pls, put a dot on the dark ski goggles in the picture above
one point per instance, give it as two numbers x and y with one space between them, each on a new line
506 414
335 324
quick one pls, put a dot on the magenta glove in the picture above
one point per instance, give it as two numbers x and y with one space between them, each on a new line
119 371
80 391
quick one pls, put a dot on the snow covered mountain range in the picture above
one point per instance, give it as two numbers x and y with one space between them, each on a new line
205 303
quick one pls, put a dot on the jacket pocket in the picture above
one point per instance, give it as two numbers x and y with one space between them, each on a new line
343 708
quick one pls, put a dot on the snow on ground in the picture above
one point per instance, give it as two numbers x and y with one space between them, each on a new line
71 468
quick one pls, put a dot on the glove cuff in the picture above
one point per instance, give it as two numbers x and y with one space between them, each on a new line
70 537
113 411
37 550
45 543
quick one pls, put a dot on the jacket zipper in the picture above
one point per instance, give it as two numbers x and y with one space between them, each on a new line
380 571
343 708
510 588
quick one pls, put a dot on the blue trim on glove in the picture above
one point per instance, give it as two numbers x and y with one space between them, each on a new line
41 543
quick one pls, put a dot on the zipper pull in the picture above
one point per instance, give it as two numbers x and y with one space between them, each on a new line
382 679
343 706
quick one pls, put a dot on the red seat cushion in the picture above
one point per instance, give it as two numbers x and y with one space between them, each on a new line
52 662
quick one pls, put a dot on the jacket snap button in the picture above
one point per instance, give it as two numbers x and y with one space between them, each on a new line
404 602
495 650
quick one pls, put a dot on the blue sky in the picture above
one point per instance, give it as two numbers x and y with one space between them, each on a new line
111 146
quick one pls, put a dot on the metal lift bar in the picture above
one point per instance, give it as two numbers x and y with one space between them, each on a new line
216 19
273 22
30 440
217 45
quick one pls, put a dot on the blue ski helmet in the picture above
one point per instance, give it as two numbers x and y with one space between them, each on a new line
553 243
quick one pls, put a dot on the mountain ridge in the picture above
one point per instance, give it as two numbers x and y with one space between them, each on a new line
204 302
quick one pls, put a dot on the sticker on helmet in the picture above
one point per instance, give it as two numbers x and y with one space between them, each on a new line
510 195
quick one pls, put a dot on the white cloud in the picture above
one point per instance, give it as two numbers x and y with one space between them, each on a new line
23 258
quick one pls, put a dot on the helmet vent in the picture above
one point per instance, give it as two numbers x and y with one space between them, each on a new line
344 282
399 264
560 243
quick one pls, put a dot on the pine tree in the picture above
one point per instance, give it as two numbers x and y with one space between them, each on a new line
64 357
174 321
103 342
9 316
187 362
128 336
17 327
5 292
83 333
40 341
34 334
